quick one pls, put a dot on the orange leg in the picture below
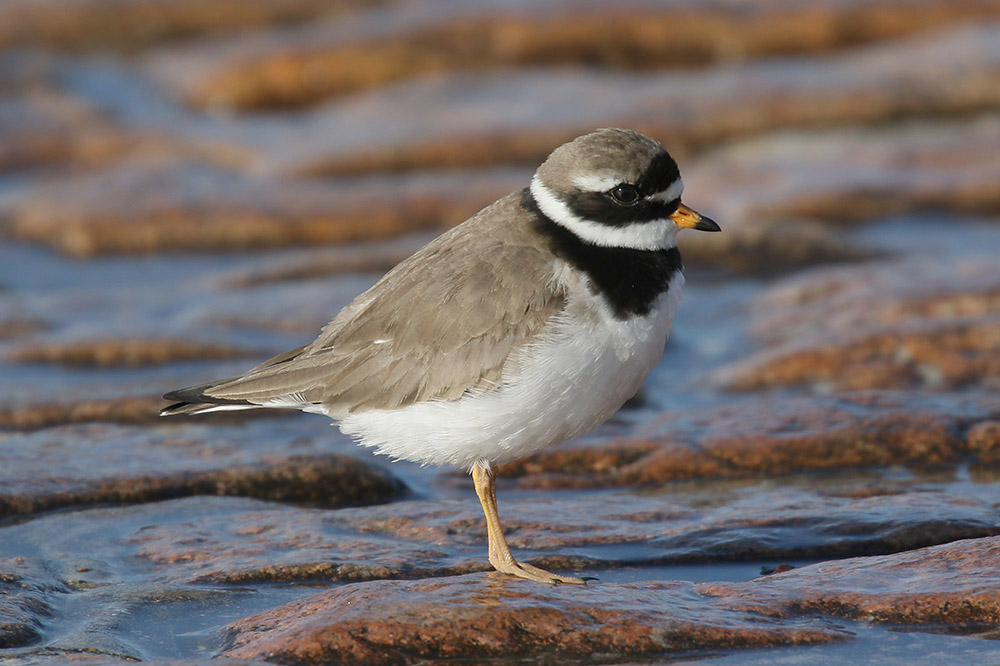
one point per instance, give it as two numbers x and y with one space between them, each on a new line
500 557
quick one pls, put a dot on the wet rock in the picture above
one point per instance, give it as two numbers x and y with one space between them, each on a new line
845 299
126 352
53 128
45 121
954 585
301 309
759 190
942 355
21 71
131 410
301 65
984 441
847 176
468 119
772 435
50 657
712 523
950 584
897 324
26 591
47 657
374 257
282 546
14 328
157 206
45 469
154 207
479 617
780 197
753 246
104 24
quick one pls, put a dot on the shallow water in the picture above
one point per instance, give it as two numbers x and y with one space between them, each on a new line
131 613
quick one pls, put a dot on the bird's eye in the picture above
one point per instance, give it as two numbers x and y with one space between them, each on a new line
625 195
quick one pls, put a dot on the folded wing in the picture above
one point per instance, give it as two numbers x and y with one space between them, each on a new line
443 322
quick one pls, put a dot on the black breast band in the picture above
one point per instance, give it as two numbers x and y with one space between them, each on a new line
630 280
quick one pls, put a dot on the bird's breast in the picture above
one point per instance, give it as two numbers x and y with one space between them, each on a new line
571 379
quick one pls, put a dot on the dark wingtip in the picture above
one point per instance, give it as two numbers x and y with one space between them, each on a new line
193 399
174 409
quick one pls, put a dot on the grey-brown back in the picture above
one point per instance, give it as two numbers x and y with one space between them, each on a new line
442 322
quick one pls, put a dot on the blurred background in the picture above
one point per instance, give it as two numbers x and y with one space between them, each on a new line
190 186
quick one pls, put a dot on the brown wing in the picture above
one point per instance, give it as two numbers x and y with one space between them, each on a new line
442 322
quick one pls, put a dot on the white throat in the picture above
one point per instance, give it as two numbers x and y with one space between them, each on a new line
653 235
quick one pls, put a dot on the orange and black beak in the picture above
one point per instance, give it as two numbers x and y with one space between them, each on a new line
685 218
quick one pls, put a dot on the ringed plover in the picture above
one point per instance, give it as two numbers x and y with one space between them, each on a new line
528 324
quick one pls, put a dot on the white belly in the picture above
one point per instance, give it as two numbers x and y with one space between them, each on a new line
566 385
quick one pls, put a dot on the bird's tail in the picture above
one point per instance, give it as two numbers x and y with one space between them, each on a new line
255 384
193 400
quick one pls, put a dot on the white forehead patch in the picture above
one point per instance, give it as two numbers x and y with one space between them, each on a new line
596 183
672 193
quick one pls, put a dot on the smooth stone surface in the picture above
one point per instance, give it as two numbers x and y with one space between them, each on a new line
144 220
937 355
897 324
156 205
55 114
984 441
134 352
847 176
803 518
125 410
300 309
762 190
955 583
281 545
480 616
485 118
85 303
875 644
374 257
13 328
51 127
106 24
786 199
51 657
777 198
484 616
768 435
143 207
929 286
46 469
295 66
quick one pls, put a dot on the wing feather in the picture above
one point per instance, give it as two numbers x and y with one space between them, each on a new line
441 323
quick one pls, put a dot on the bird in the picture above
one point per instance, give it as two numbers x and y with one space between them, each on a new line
526 325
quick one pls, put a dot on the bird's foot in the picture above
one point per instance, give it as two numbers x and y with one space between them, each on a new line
522 570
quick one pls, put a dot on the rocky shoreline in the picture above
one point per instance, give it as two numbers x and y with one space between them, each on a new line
813 470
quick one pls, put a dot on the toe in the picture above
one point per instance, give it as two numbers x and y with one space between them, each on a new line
538 575
551 577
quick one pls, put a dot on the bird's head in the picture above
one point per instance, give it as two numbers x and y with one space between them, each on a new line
616 188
